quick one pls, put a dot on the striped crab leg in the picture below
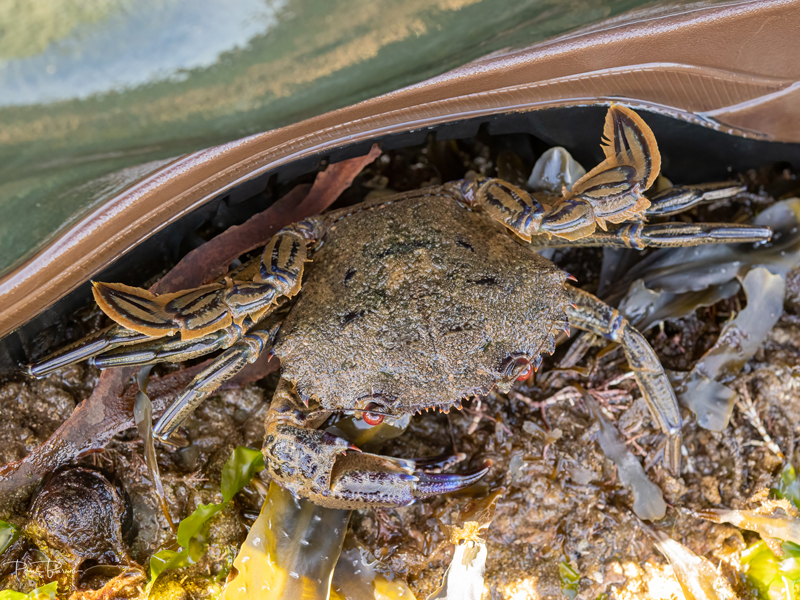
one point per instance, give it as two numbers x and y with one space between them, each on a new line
638 236
216 306
153 328
591 314
610 194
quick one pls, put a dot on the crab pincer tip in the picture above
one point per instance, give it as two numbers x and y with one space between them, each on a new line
443 483
571 277
353 447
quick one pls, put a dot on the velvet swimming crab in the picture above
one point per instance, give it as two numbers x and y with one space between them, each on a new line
413 302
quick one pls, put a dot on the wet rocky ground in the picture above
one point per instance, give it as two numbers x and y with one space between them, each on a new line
564 509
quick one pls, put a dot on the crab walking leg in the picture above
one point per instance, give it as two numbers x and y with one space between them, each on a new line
664 235
683 197
331 472
175 350
96 343
216 306
225 366
591 314
612 191
172 349
202 319
614 188
118 346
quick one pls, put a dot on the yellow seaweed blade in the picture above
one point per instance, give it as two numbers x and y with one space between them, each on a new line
697 577
293 547
290 551
776 526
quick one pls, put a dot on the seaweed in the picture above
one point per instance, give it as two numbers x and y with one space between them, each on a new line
648 501
554 170
711 401
570 578
674 282
696 268
8 535
143 417
358 575
772 564
463 579
191 534
290 551
775 578
45 592
698 578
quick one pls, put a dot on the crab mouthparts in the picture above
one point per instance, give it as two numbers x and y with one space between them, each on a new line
442 408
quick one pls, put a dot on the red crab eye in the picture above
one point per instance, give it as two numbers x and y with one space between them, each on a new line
373 419
526 371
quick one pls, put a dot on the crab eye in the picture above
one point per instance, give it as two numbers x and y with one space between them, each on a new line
527 368
373 419
370 418
525 373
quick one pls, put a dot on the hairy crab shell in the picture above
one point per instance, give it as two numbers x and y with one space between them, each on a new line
418 304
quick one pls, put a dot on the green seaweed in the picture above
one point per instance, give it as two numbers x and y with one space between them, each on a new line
776 576
772 576
8 535
192 541
789 485
45 592
239 470
570 579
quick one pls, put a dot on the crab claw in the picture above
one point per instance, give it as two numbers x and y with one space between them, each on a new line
325 469
435 464
372 480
